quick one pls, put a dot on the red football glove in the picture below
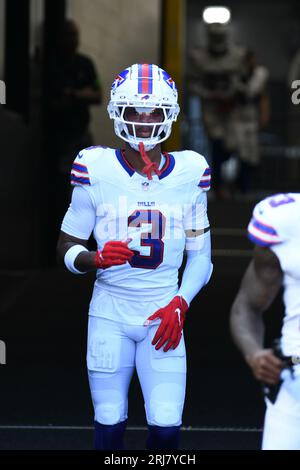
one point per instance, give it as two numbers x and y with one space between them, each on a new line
172 318
114 253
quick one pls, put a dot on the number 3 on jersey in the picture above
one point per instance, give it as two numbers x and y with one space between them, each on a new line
152 239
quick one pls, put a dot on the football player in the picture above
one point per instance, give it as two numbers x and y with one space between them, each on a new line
144 208
275 231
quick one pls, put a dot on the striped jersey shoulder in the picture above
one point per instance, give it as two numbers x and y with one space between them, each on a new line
263 228
81 171
205 180
80 174
197 168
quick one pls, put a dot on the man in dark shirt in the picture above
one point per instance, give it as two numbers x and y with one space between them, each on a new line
73 87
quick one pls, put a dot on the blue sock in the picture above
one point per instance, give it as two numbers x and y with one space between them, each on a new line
109 437
163 438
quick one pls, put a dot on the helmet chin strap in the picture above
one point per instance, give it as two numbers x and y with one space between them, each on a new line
147 147
150 166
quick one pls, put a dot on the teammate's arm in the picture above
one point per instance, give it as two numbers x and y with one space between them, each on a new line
258 289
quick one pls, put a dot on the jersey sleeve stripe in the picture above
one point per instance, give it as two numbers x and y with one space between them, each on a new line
81 180
205 180
263 227
204 184
259 241
79 174
260 236
79 167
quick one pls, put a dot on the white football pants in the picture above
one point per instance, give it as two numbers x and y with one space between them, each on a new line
282 419
114 350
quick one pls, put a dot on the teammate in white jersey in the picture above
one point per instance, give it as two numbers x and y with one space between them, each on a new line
275 230
144 208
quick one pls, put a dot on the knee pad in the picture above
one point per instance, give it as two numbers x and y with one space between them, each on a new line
110 406
110 413
166 405
165 414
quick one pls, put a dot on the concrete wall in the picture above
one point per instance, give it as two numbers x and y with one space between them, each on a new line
115 34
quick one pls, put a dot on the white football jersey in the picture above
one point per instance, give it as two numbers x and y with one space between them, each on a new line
118 203
276 224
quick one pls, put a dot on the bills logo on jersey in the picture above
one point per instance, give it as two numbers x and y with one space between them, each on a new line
119 79
169 80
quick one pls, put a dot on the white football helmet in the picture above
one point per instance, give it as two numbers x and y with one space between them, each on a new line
144 87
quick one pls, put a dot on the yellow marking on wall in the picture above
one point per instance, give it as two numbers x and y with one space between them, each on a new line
173 48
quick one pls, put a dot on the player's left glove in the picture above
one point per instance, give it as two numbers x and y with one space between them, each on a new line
170 329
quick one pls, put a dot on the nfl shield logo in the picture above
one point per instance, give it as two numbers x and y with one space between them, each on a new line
145 185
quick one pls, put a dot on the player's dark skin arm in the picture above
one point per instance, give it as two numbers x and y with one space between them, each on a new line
258 289
85 261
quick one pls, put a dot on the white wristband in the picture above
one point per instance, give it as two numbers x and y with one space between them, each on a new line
70 257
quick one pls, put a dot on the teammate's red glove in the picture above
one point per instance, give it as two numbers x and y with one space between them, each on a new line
114 253
170 329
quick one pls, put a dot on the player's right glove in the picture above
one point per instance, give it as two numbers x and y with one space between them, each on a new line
114 253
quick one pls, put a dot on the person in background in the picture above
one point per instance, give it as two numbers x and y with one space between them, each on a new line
74 87
217 68
251 114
